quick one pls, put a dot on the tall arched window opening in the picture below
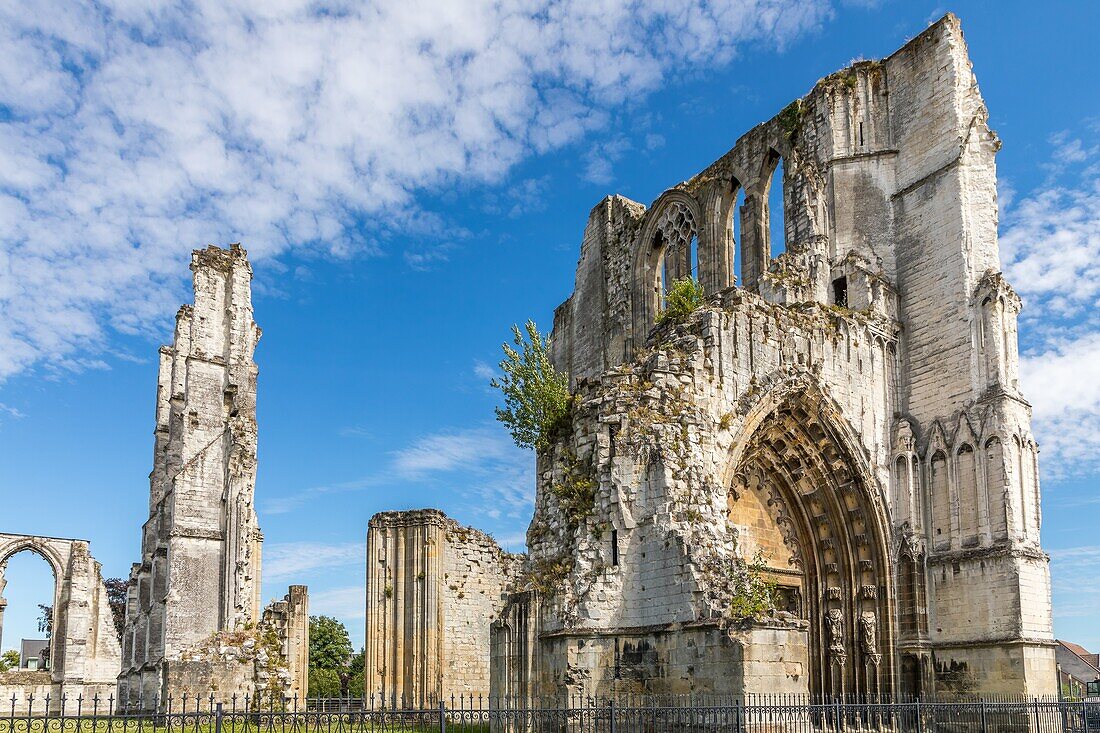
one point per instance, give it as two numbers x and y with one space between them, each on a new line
737 256
27 613
776 224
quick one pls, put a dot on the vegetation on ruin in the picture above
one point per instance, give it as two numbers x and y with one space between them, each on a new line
576 492
751 595
117 590
536 395
790 119
681 300
547 574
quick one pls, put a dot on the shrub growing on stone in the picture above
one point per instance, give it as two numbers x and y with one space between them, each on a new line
536 395
681 300
752 596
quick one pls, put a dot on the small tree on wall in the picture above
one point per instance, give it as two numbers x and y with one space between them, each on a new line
536 395
45 619
682 299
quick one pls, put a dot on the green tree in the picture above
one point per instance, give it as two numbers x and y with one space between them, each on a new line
329 644
536 395
9 660
323 682
45 619
355 674
681 300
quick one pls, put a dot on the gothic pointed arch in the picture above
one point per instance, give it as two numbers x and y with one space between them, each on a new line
798 452
663 252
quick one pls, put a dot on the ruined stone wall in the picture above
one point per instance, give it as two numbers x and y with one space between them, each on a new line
199 574
433 589
288 620
85 653
861 386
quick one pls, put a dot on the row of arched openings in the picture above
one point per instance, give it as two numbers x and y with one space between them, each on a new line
969 492
676 237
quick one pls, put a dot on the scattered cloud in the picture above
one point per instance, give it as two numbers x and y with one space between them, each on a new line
444 452
1075 585
290 502
355 431
347 602
1063 385
133 132
484 371
1050 252
601 160
292 560
480 463
12 411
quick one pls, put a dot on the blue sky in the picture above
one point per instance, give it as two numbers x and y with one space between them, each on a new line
409 184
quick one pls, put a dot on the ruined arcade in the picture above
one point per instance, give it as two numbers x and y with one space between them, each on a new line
846 412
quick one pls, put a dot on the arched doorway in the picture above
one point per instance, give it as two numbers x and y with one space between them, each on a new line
29 595
802 502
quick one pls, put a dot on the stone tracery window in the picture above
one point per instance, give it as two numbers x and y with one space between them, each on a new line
677 241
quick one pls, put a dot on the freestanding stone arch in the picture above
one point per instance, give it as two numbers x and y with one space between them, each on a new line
85 652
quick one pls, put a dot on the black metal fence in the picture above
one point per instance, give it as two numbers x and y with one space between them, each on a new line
620 714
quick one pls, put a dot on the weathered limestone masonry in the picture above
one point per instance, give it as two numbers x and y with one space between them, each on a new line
848 412
433 589
195 596
289 620
84 649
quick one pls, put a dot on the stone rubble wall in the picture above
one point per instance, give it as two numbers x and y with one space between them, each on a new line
288 619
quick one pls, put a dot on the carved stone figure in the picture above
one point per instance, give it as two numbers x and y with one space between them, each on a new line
868 633
834 627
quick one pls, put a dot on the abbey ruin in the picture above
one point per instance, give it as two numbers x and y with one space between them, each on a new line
193 616
845 416
84 651
193 621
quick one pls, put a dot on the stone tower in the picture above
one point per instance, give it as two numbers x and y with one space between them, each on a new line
845 410
200 550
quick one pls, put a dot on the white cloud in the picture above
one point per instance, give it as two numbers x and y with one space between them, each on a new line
479 462
444 452
1063 385
484 371
1076 590
293 560
348 602
134 132
1050 251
